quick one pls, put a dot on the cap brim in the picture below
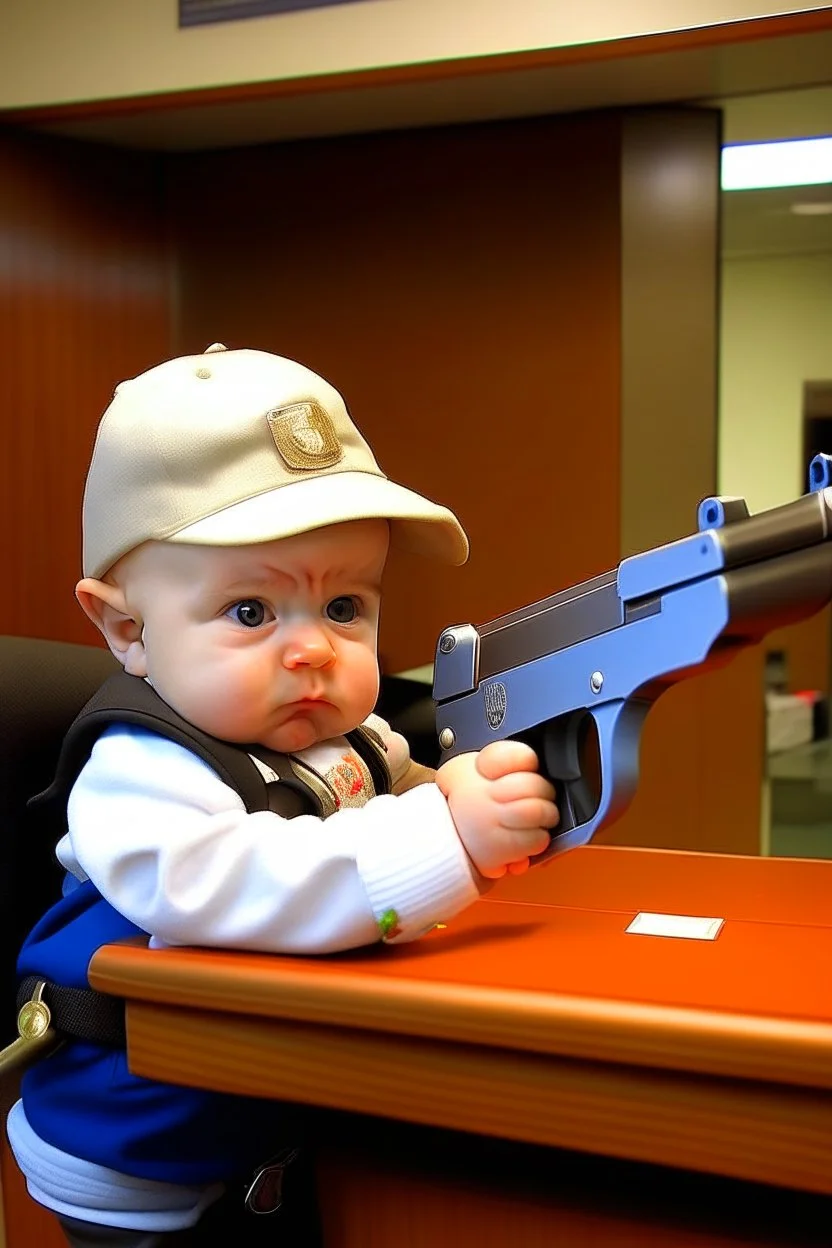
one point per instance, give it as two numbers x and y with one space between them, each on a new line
416 524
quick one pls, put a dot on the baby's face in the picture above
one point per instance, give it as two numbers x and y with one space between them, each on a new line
273 643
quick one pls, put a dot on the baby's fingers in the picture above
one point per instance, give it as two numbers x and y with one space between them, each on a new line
502 757
522 784
518 868
527 813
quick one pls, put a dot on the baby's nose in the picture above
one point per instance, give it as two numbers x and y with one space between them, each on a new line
308 647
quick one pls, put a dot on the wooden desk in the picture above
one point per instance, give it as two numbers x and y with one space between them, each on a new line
535 1017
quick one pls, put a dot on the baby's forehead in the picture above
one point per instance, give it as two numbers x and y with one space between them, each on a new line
326 554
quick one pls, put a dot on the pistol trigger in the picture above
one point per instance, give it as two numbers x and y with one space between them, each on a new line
561 752
571 766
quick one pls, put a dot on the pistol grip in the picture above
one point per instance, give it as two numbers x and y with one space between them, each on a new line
594 780
570 760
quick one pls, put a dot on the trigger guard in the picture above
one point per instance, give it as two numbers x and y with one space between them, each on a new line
561 753
619 732
562 738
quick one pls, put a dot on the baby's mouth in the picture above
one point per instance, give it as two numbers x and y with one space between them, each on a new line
309 702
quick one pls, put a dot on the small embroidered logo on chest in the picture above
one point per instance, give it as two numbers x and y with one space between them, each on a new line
350 781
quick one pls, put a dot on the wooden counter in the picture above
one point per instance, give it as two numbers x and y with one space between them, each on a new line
536 1017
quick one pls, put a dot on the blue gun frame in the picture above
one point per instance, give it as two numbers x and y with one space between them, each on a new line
592 660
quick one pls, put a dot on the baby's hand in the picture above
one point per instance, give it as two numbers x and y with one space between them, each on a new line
501 806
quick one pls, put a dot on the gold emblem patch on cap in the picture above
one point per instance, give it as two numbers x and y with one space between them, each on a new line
305 436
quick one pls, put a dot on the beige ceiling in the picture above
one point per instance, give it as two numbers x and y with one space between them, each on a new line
496 87
768 89
787 114
764 222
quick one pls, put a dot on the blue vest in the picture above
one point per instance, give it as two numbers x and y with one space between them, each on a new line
84 1100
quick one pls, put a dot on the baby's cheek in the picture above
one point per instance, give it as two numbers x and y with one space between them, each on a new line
362 687
223 702
239 700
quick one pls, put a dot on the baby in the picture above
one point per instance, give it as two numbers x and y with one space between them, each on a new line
231 786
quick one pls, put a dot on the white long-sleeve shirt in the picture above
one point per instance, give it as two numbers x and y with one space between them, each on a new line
172 848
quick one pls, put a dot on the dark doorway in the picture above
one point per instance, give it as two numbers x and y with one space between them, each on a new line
817 421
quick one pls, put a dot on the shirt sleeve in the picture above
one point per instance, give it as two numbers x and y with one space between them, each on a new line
398 750
172 848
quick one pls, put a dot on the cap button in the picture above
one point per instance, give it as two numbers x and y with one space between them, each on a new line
215 346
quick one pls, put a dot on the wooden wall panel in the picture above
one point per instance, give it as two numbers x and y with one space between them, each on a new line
669 320
84 295
701 755
701 765
463 288
460 287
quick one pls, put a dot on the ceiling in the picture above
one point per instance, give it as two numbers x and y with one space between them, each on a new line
767 89
765 222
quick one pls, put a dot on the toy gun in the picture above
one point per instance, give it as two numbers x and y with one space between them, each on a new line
575 674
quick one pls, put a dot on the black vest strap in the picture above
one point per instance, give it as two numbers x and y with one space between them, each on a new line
85 1013
128 699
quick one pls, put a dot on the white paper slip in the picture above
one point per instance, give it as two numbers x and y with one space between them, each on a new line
686 926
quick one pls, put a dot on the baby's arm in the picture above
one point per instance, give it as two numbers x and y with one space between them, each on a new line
171 847
415 774
501 806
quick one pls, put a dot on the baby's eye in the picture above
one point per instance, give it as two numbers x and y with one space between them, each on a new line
342 610
250 612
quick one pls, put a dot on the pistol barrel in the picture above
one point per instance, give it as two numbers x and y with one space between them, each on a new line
803 523
774 592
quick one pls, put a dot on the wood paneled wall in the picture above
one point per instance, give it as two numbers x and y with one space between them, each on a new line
487 298
460 287
464 287
702 744
523 319
84 302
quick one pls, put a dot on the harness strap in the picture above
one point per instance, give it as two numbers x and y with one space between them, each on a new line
82 1013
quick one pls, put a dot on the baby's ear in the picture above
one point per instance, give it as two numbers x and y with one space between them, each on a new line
108 609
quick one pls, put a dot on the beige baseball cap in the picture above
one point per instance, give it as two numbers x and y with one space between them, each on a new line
230 448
